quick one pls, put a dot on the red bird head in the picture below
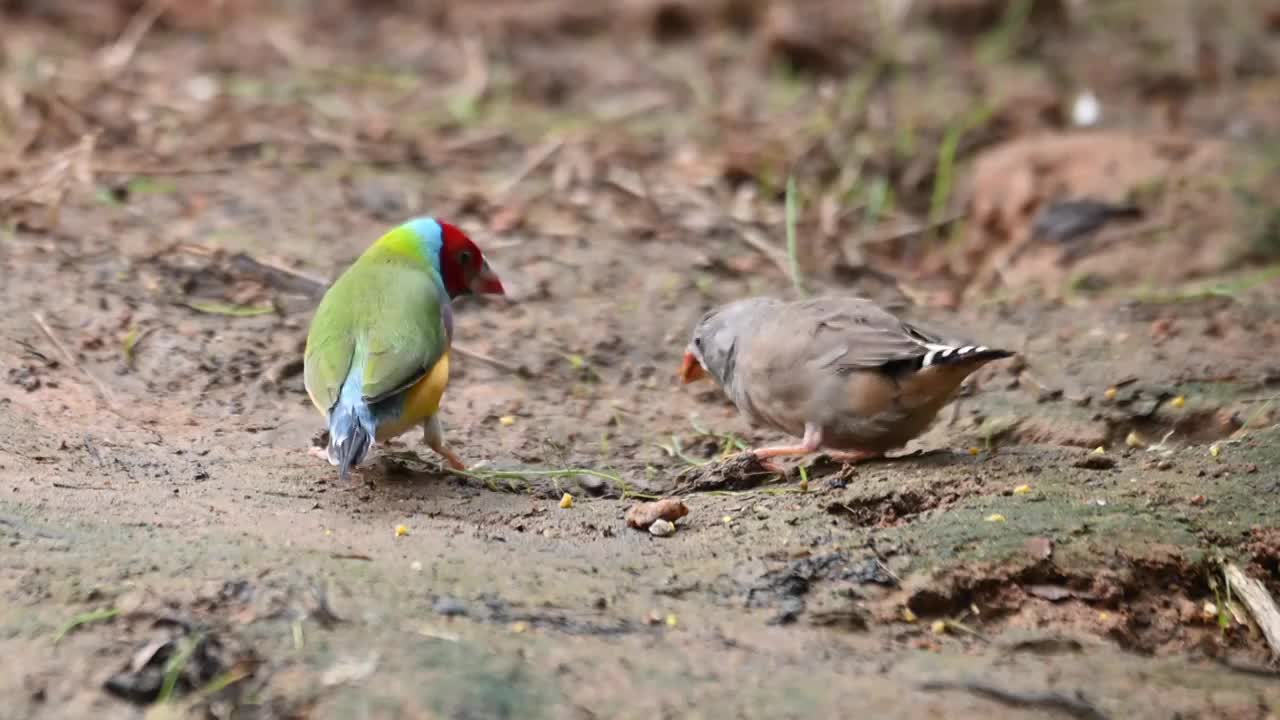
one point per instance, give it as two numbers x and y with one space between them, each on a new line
463 267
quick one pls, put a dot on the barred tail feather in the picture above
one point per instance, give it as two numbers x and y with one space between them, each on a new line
950 355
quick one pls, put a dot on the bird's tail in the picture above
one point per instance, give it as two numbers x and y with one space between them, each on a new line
952 355
351 430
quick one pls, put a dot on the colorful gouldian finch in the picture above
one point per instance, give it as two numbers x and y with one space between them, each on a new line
840 372
377 357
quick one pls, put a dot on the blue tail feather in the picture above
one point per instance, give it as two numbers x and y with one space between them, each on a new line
351 427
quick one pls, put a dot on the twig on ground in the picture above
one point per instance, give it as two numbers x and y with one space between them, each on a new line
1258 602
1076 707
105 395
116 57
918 230
519 371
537 157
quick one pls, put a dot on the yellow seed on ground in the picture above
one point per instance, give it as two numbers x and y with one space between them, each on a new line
1099 450
727 519
1179 401
507 420
402 530
519 627
566 502
1104 616
1022 490
1134 440
1110 393
975 450
939 627
671 620
1215 450
995 517
908 616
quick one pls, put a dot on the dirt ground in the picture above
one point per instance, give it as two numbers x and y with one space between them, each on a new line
178 187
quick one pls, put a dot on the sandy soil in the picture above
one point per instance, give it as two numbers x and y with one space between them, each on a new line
167 533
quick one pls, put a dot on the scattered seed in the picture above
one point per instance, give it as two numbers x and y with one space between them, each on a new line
566 502
908 616
1022 490
672 621
1110 393
1099 450
939 627
1134 440
995 517
1210 611
402 530
975 450
1215 450
1178 402
416 566
507 420
519 626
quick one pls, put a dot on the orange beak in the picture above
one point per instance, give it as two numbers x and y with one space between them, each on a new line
486 282
691 370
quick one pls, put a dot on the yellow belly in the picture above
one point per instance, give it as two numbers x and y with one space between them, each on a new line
421 401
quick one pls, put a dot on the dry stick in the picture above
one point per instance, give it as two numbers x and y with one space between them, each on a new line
71 360
539 156
475 355
757 240
117 57
1258 601
918 230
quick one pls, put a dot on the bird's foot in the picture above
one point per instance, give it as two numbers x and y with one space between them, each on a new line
452 459
852 457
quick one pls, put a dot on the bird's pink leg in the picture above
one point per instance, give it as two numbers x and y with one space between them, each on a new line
812 439
433 434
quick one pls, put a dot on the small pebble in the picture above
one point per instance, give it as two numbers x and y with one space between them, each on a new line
416 566
591 484
662 528
449 607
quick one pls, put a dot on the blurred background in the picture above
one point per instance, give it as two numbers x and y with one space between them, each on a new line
966 146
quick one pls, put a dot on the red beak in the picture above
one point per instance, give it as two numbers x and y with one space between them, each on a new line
486 282
691 370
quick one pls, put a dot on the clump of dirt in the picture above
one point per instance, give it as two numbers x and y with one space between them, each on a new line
738 472
1049 208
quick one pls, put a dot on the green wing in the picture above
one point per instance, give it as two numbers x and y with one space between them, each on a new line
330 347
387 318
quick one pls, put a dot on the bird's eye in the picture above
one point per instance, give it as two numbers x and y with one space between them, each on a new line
697 342
464 257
